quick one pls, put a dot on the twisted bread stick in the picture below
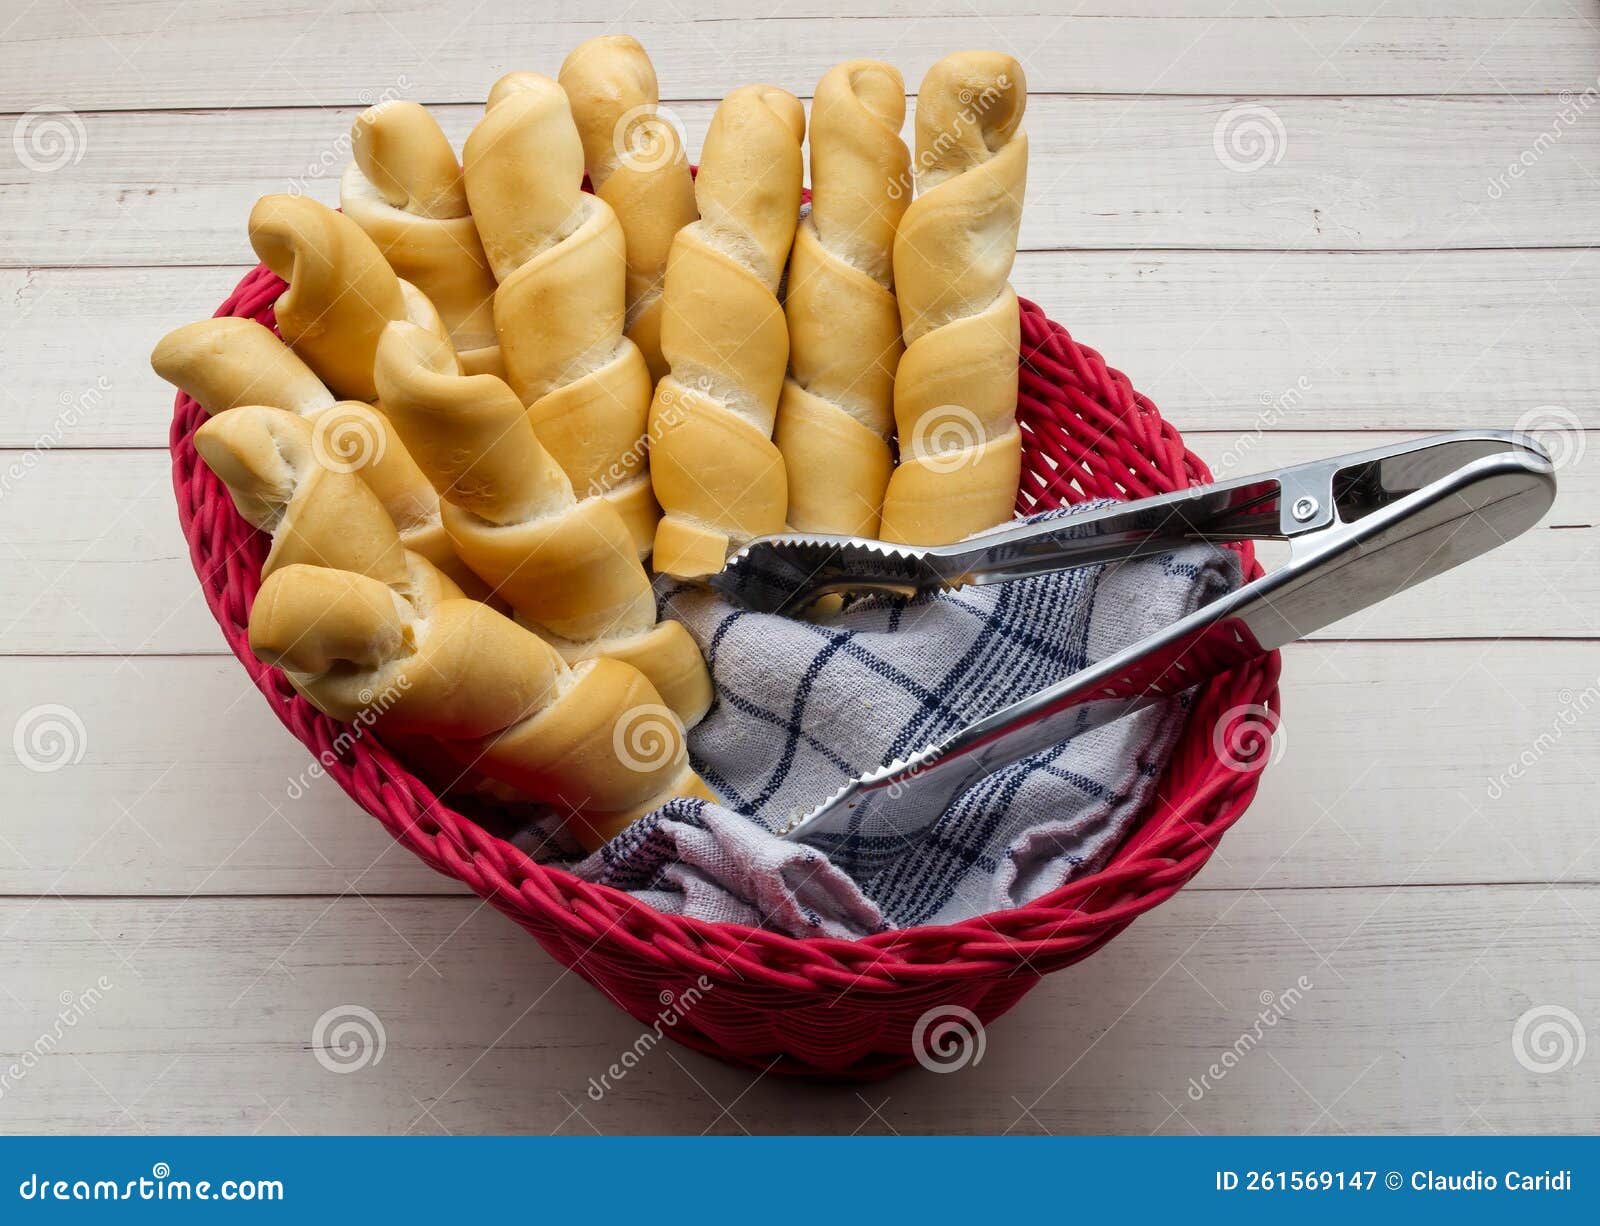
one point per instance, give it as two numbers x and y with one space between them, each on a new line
955 395
837 408
717 474
567 566
560 257
326 517
228 362
404 189
316 514
637 165
593 739
341 290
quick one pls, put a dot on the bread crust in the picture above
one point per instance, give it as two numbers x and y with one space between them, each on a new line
228 363
566 564
717 474
593 741
836 414
561 261
404 189
637 165
956 388
341 291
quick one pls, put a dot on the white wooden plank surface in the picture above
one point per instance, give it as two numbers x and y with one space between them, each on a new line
176 187
1397 762
1424 852
137 53
1222 341
200 791
208 1024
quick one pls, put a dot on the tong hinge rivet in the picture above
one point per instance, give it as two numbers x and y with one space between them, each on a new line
1304 508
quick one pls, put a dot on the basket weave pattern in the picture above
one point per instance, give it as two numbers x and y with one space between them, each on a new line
817 1006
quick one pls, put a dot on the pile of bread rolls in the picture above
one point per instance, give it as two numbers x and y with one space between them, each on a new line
500 400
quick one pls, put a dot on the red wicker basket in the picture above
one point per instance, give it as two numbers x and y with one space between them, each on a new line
808 1007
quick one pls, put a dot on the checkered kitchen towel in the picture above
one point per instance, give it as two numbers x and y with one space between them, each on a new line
802 707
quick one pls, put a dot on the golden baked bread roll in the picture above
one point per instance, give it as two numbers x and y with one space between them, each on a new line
341 290
227 362
717 474
567 566
560 257
593 740
637 165
836 414
955 394
404 189
321 516
316 514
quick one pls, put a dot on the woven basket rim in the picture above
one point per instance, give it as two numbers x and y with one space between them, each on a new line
1165 850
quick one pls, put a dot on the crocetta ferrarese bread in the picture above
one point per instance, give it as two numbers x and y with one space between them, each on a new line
637 165
836 415
324 516
955 394
404 189
227 363
564 563
594 741
341 290
559 255
717 474
316 514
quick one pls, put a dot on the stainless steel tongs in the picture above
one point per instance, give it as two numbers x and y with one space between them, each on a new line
1361 528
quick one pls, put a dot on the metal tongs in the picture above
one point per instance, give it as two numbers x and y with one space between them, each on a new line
1361 527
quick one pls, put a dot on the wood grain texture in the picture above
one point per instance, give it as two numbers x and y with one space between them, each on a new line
112 54
1221 341
203 791
210 1021
1119 173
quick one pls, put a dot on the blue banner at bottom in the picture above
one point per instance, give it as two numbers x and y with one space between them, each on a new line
796 1179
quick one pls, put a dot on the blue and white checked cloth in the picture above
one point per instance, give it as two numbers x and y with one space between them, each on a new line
802 707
